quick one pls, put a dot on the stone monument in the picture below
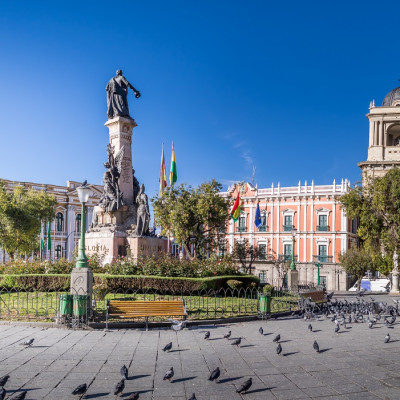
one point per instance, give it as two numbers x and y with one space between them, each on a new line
120 223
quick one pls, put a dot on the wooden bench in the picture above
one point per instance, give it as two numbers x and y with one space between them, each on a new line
317 297
131 309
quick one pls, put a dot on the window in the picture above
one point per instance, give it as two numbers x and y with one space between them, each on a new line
262 250
288 223
322 252
263 226
221 248
58 252
78 222
322 280
175 249
262 276
242 224
59 222
322 223
287 252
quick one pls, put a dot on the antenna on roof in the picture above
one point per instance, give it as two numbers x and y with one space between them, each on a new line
254 174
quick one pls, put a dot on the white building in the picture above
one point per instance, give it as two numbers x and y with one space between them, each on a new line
65 229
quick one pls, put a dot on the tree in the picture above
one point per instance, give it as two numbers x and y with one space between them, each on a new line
356 262
376 205
193 216
246 254
21 214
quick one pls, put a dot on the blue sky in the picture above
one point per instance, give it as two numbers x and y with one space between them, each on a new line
283 86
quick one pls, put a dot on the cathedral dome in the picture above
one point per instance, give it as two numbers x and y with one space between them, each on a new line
392 99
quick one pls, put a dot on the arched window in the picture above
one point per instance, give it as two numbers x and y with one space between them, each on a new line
59 222
78 220
58 251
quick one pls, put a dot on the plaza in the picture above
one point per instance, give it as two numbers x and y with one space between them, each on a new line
354 364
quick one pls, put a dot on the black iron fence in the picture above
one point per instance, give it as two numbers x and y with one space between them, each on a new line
62 306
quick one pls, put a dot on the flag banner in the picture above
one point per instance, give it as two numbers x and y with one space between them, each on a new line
257 219
163 173
49 236
173 174
235 212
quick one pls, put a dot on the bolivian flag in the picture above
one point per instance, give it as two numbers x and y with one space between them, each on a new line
163 173
235 212
173 174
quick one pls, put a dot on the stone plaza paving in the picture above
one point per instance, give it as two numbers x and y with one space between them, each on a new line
354 364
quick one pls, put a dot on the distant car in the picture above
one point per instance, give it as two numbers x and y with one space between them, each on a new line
372 285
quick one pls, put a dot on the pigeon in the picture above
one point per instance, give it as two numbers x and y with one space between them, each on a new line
236 342
81 389
279 349
337 328
277 339
178 325
3 380
387 338
261 331
167 347
310 327
28 342
119 387
228 335
370 324
169 374
245 386
20 396
124 371
215 375
207 335
315 346
84 183
2 393
192 397
133 396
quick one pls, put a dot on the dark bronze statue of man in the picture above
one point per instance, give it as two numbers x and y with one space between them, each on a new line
117 96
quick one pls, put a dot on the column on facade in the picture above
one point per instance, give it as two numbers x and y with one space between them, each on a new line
371 131
381 133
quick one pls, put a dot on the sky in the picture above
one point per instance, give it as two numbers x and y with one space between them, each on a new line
280 86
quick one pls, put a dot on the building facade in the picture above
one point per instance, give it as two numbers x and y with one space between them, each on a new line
310 213
65 229
384 137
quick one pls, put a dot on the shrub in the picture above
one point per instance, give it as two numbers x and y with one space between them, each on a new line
114 283
234 284
268 290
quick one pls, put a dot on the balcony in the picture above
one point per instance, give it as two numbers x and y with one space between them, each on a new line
287 228
266 257
287 257
241 229
323 259
323 228
262 228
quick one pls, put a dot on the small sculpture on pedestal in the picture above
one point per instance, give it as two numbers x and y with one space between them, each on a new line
143 213
112 198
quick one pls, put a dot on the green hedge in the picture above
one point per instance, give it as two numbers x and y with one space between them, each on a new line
113 283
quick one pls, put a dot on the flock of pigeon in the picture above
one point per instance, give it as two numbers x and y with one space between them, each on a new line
341 313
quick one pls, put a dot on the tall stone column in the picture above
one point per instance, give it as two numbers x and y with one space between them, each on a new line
120 130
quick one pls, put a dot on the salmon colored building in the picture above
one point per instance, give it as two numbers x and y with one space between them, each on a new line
310 213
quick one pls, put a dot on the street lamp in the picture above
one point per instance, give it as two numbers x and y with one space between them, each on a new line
83 194
292 264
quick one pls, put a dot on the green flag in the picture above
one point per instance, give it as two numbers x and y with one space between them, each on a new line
48 236
41 239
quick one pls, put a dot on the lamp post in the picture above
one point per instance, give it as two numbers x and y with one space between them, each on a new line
83 194
318 265
292 264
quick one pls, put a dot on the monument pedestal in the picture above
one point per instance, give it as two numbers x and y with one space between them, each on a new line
82 284
293 280
395 284
143 247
